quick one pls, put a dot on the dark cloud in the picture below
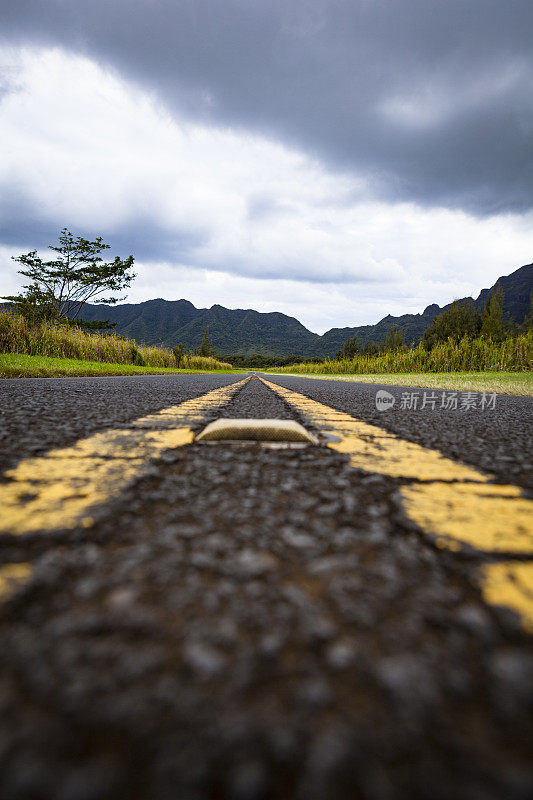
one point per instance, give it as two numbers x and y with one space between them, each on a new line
149 241
23 225
26 225
430 99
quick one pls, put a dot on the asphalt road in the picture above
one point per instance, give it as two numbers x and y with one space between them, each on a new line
250 622
499 439
37 414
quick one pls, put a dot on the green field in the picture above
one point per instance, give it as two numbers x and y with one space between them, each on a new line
22 366
518 383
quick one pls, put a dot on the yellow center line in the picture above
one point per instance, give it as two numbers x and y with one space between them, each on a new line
453 503
65 487
510 583
12 576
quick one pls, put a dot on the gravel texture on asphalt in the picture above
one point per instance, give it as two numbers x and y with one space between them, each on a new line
499 440
255 622
37 414
256 400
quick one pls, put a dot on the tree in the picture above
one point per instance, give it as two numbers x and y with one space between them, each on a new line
394 340
58 288
350 348
371 348
35 306
461 319
206 348
178 352
528 319
492 326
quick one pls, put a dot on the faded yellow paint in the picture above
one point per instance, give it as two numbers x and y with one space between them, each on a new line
11 577
62 491
454 503
401 459
376 450
121 444
65 487
510 584
486 516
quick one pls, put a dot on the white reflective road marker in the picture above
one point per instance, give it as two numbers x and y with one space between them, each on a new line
258 430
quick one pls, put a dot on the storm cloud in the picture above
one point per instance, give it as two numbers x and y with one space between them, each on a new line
376 155
431 100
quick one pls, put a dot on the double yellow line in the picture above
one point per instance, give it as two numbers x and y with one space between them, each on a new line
69 486
456 505
66 487
453 503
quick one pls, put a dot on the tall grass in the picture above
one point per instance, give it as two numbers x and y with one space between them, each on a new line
514 354
65 341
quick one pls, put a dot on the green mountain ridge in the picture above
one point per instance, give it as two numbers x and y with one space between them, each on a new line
245 331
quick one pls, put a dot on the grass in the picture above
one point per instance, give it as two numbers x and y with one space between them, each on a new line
53 340
513 354
17 365
517 383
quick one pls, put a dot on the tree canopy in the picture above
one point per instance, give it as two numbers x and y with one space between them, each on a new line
460 319
394 340
350 348
58 288
179 353
206 348
492 324
527 324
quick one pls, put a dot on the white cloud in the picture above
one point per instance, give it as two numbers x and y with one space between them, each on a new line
220 215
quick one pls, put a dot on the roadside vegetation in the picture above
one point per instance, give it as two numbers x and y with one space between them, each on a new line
260 361
63 340
513 354
43 323
24 366
460 339
76 273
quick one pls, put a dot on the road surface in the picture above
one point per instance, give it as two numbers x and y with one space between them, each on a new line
241 621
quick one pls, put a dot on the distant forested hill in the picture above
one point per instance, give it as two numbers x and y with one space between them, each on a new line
170 322
517 288
244 331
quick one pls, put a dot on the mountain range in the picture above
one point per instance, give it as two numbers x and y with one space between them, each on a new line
245 331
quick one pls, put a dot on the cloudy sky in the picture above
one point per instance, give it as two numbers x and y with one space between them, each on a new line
336 160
